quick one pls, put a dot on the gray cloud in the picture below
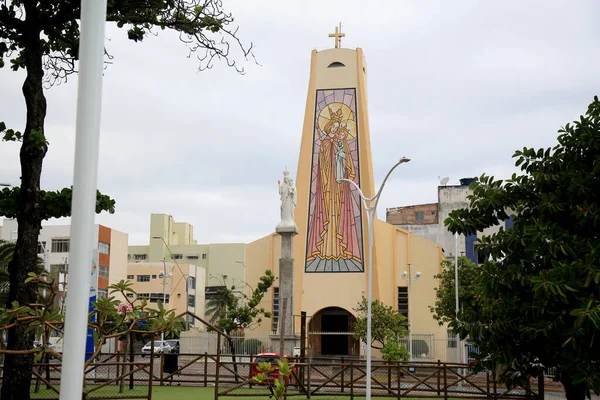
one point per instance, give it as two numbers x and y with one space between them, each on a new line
455 86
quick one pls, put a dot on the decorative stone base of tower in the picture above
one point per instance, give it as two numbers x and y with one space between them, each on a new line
286 292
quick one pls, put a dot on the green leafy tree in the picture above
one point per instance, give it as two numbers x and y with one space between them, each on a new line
42 38
388 326
216 307
538 303
243 311
444 309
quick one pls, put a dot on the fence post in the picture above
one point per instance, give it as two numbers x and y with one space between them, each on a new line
308 378
445 382
131 358
343 368
162 367
494 382
205 369
487 382
151 370
399 376
389 374
351 380
218 362
439 376
541 393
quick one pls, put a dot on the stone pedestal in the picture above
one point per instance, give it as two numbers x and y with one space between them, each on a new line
286 289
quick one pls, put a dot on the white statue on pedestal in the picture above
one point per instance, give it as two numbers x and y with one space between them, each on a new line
287 193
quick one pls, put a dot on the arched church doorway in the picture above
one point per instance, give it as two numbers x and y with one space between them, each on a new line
331 333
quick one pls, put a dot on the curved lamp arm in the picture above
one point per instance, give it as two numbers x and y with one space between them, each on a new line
356 186
401 161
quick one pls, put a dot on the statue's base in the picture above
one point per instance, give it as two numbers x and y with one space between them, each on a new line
286 227
289 342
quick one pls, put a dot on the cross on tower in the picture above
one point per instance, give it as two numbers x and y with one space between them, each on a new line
338 36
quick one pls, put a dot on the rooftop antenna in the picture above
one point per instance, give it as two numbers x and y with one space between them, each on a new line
443 181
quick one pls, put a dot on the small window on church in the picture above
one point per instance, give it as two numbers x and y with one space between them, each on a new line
336 64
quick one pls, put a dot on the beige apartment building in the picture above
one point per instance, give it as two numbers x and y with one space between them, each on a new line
213 265
179 286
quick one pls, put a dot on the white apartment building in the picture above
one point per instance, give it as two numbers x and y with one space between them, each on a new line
55 243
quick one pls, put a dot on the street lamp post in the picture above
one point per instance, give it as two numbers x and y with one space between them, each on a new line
458 357
370 204
186 276
164 276
407 277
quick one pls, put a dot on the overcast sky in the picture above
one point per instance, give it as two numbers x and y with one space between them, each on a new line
456 86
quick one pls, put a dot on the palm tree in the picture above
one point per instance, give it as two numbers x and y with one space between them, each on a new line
6 253
7 250
216 306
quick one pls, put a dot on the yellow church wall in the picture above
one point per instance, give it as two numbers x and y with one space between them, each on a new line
425 257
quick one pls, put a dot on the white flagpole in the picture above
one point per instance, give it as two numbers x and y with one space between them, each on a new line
83 209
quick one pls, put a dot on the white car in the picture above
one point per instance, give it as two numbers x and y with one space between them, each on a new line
159 347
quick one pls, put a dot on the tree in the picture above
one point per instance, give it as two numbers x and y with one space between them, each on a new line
444 309
243 311
216 306
538 303
388 326
7 250
43 39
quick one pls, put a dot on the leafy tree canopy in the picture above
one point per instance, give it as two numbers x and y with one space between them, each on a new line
243 310
538 301
52 204
388 326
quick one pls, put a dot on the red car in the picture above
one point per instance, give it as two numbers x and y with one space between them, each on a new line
271 358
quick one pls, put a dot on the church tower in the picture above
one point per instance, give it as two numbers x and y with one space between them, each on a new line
330 275
330 250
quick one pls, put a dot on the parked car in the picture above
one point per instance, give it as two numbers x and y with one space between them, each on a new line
159 347
271 358
175 346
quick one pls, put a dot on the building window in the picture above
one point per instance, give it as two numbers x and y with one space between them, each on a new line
103 272
190 320
191 300
403 300
60 267
191 282
139 257
213 292
204 256
103 248
143 296
143 278
275 317
176 256
153 276
129 294
60 245
129 276
129 256
419 216
41 247
193 257
102 293
155 297
451 339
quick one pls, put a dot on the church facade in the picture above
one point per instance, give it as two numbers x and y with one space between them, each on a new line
330 250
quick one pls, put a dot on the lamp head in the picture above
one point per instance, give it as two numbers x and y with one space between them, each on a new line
404 160
418 275
404 274
156 237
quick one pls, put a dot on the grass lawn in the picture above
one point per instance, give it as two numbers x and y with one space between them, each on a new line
174 393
